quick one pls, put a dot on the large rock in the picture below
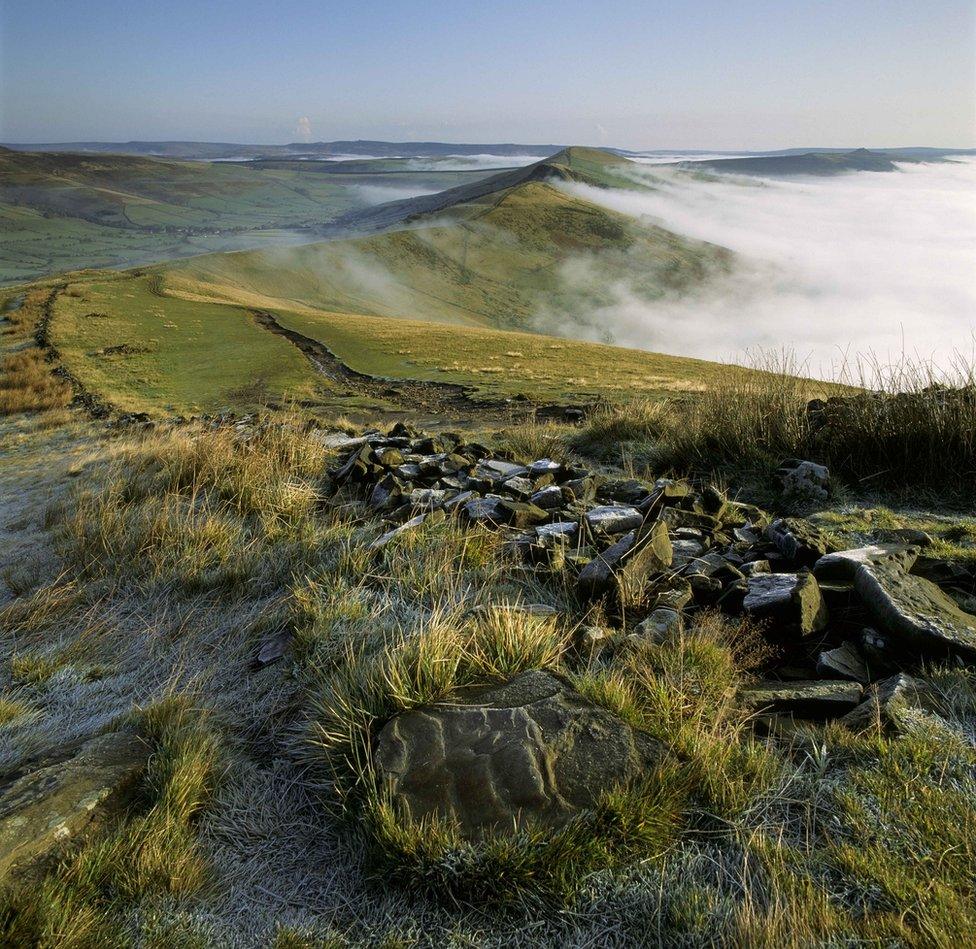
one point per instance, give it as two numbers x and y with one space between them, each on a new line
914 611
64 799
530 751
789 599
841 566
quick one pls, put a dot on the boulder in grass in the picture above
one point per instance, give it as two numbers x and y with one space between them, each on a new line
64 799
817 698
915 612
790 599
502 758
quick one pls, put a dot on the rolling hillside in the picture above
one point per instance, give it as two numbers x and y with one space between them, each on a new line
63 211
485 261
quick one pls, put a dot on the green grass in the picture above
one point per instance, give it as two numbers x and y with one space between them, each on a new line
151 855
181 356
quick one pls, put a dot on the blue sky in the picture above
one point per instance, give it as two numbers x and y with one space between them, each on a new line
744 74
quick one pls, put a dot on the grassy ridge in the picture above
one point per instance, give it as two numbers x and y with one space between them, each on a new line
142 351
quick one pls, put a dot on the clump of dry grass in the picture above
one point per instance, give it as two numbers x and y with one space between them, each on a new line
891 428
27 384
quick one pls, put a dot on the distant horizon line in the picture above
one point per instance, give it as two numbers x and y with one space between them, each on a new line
501 144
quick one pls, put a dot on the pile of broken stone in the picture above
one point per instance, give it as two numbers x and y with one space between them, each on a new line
851 627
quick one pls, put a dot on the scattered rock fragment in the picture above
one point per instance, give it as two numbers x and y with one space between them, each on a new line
787 598
660 625
609 519
804 482
798 540
842 662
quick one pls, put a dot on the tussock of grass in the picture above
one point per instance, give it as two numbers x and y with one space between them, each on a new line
431 857
196 512
424 665
902 426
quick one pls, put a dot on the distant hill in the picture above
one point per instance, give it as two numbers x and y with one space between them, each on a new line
226 150
809 163
589 165
69 210
494 254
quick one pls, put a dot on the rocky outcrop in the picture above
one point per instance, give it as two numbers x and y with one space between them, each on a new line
914 611
531 751
651 555
63 799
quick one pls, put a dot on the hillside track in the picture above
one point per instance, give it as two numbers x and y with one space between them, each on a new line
439 398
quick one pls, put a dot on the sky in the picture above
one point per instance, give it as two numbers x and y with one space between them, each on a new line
753 74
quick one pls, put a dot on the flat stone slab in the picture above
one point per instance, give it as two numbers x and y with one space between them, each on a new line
820 697
914 611
614 519
531 751
842 565
65 799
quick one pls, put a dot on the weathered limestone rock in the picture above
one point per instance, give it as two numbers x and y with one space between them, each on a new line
842 566
914 611
789 598
815 698
530 751
65 799
804 481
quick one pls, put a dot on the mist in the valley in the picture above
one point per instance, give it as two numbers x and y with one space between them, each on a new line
380 194
863 264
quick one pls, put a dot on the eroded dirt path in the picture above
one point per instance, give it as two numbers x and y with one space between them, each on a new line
438 398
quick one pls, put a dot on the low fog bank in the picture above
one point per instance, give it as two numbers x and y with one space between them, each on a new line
867 263
380 194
